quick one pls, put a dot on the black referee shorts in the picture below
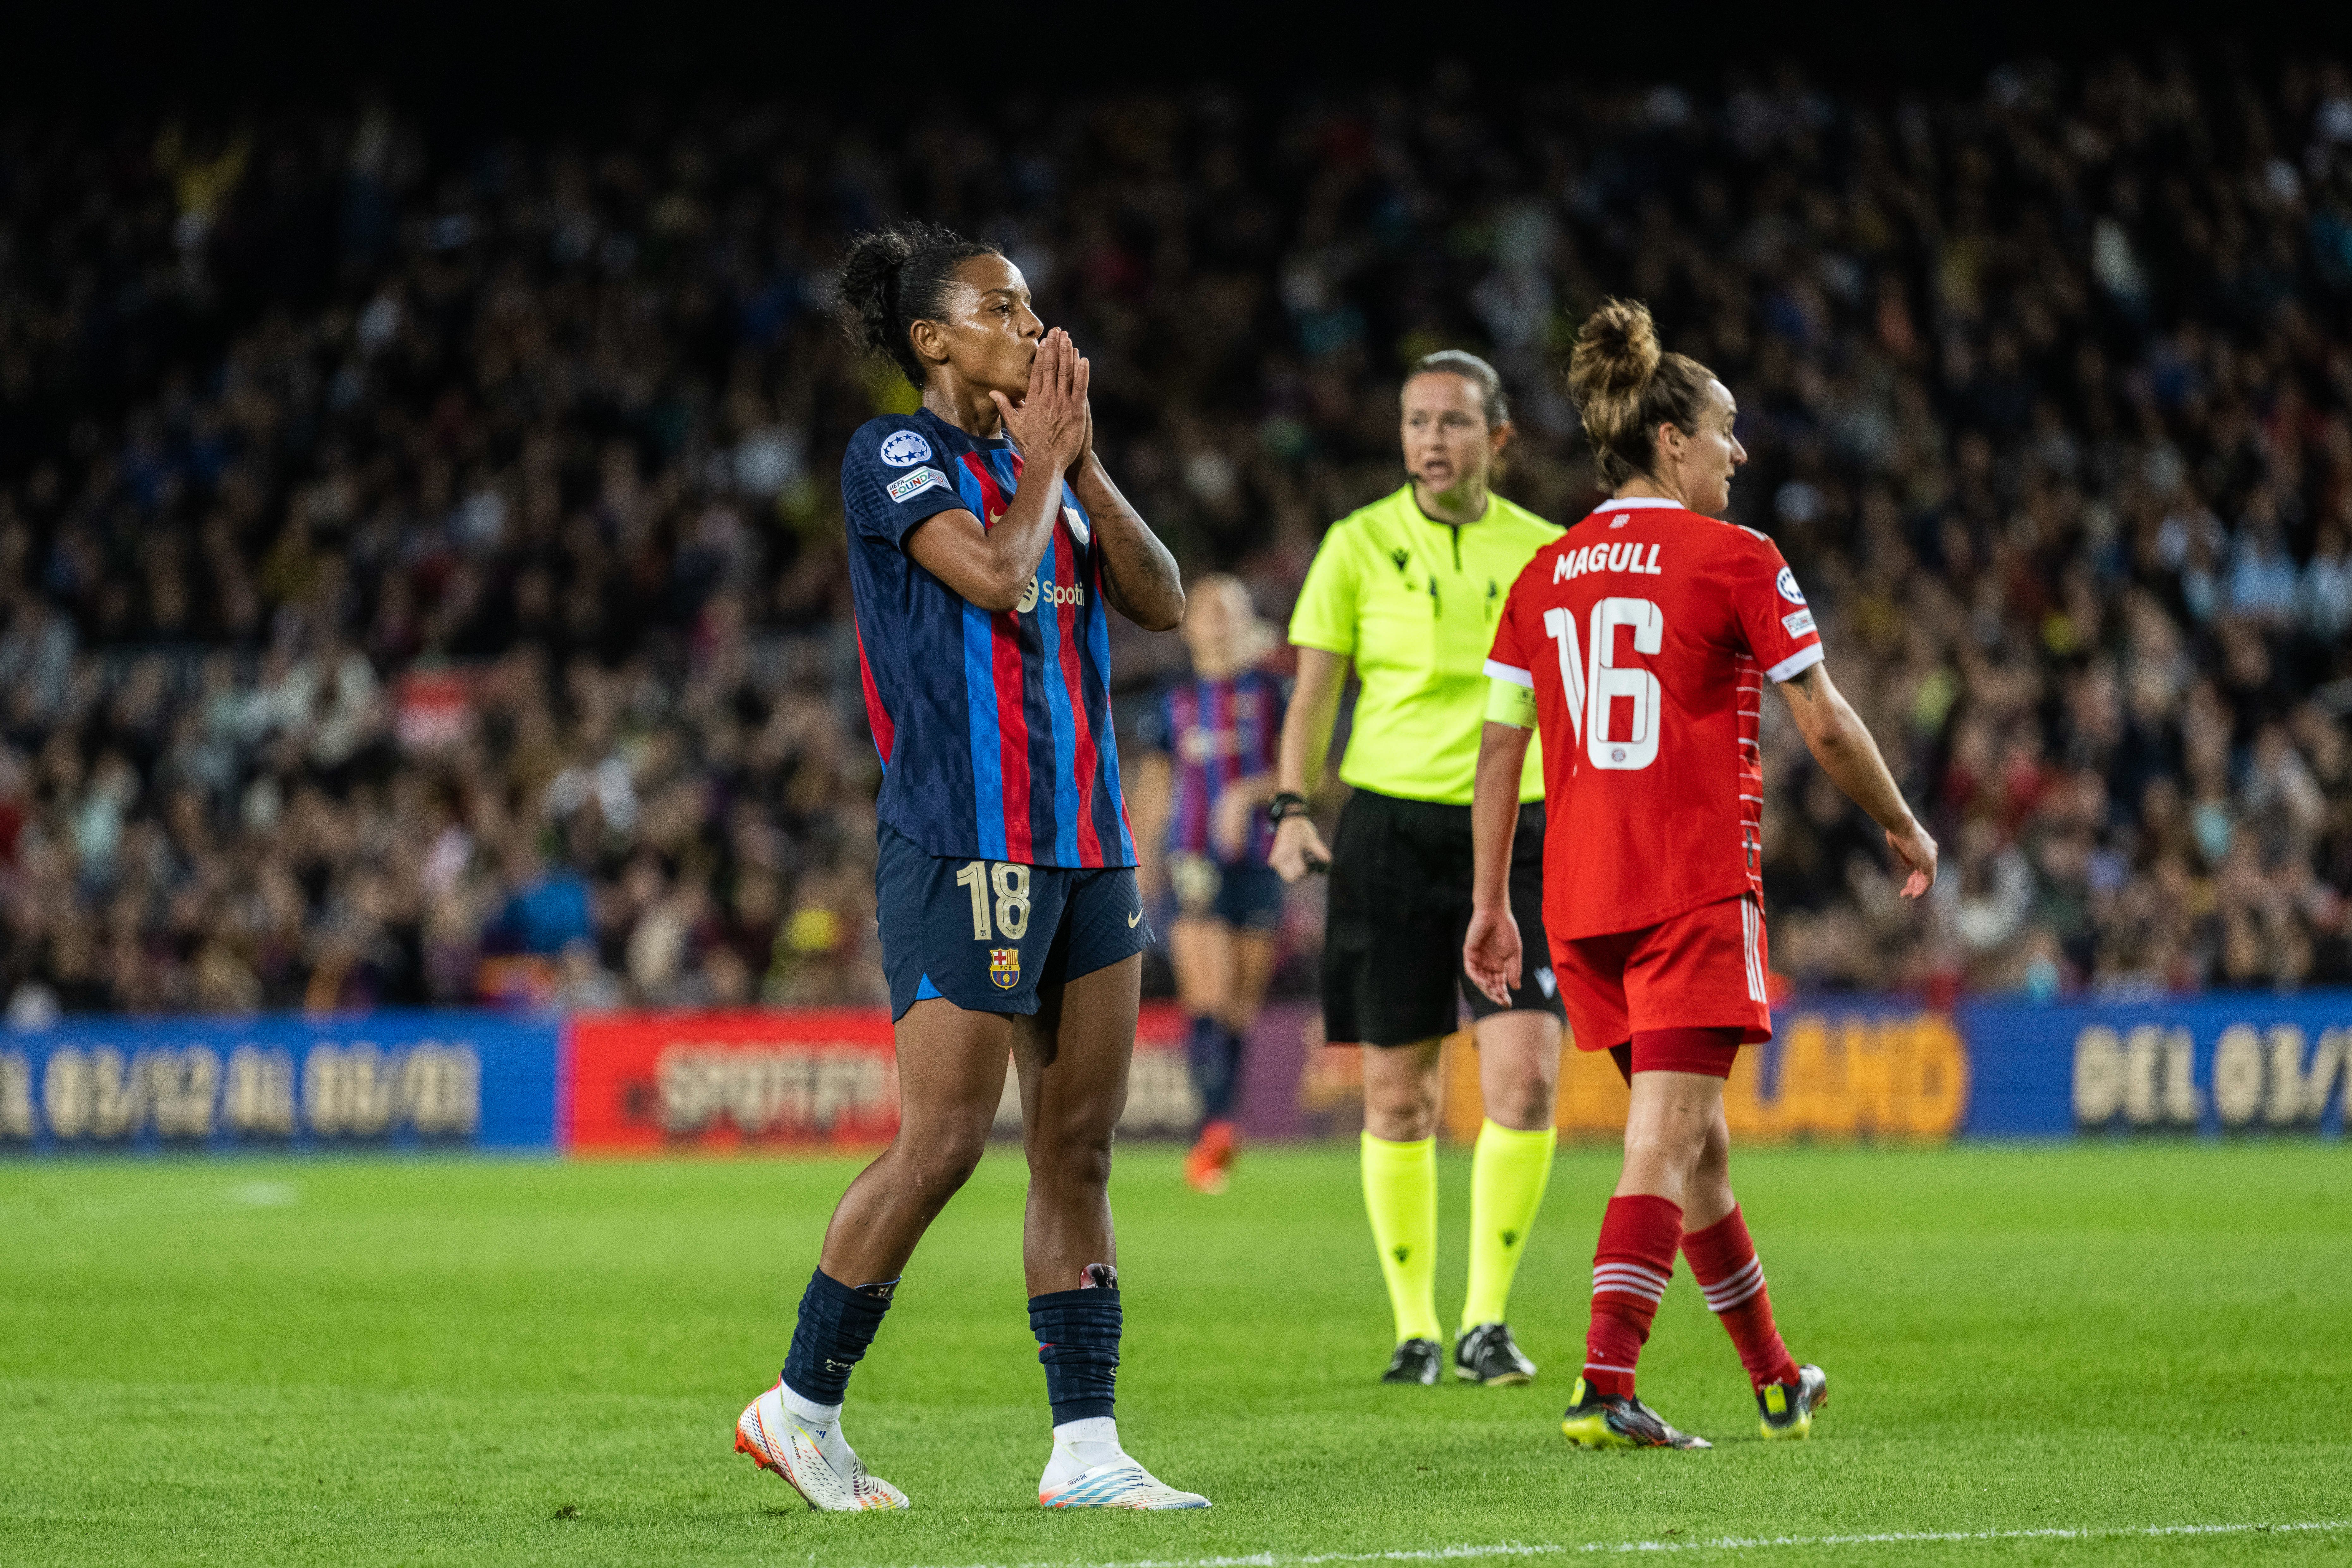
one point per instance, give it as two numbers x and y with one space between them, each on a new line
1401 874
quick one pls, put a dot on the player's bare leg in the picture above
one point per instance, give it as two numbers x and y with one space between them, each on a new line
1722 1259
951 1068
1518 1068
1252 968
1666 1128
1205 955
1072 1058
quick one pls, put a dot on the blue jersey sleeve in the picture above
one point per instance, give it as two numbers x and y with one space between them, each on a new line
893 477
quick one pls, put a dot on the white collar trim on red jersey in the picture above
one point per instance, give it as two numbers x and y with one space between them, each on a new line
1629 502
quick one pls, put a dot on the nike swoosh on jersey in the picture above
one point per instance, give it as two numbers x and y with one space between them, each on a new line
1132 918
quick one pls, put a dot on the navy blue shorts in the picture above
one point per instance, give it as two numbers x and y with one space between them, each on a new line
1244 894
985 934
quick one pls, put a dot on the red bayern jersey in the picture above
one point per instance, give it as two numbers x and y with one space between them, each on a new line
1647 633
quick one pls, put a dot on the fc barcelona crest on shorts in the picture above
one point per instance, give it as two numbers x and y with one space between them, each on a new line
1005 967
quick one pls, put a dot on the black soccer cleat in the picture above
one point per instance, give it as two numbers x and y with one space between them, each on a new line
1487 1356
1785 1410
1415 1361
1617 1421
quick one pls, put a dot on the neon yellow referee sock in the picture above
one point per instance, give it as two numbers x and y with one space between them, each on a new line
1401 1196
1507 1175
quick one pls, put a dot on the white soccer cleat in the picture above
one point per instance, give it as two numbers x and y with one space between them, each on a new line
780 1441
1120 1484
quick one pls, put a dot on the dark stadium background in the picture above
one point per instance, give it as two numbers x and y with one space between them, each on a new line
418 433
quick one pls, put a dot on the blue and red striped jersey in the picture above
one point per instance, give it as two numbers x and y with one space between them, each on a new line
1214 732
994 727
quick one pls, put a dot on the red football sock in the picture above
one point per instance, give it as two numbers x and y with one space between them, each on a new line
1733 1277
1630 1271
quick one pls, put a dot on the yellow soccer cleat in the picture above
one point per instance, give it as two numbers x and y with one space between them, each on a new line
1617 1421
1785 1410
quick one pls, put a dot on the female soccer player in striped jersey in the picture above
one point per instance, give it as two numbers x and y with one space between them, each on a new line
985 538
1640 644
1207 771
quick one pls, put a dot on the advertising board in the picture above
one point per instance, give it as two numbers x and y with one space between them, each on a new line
2224 1064
452 1080
1837 1069
802 1077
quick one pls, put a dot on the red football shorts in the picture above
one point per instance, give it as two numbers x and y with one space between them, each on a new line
1703 969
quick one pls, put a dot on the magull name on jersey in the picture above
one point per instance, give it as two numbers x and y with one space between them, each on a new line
1618 557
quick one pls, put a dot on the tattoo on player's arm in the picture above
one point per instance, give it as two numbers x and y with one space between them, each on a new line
1140 576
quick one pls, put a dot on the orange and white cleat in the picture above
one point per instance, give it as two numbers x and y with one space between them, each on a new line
1209 1167
815 1461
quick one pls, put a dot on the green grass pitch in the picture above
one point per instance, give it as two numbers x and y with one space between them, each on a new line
431 1360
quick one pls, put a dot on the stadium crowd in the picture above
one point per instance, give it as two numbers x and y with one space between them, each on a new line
420 572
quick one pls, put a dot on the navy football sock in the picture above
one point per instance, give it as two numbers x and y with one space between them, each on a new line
1214 1054
1231 1038
837 1324
1077 1343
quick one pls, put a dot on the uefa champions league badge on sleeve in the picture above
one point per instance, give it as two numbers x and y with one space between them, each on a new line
1787 584
1077 520
905 449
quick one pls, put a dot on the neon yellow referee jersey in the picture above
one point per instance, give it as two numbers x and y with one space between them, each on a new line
1414 602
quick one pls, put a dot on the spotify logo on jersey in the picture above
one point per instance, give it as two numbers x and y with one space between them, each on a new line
1038 590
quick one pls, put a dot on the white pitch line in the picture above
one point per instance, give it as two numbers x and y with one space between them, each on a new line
1720 1544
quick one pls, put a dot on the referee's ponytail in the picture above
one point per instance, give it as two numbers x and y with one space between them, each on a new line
896 275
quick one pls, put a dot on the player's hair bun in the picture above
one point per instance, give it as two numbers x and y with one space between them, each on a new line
1616 351
1624 385
898 275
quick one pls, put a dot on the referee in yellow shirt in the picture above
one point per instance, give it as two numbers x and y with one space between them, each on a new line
1410 588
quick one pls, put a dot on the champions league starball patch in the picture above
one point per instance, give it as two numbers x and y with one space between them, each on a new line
1787 584
905 449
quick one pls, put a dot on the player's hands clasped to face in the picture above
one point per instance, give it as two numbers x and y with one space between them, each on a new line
1914 848
1297 848
1051 424
1490 954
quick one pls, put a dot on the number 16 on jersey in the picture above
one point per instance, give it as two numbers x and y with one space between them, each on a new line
1594 694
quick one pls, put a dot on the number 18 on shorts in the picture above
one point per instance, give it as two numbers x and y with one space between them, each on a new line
984 934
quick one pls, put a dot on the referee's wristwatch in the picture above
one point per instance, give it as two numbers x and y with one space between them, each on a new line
1286 803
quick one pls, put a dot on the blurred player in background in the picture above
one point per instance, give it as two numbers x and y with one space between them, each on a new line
984 540
1410 588
1639 646
1208 775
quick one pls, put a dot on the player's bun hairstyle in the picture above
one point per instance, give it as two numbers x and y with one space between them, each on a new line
1624 386
896 275
1474 370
